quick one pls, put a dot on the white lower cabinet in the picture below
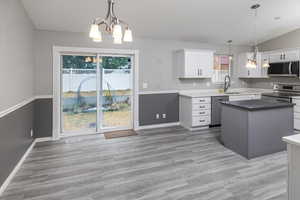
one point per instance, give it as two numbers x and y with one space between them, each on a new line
296 114
195 112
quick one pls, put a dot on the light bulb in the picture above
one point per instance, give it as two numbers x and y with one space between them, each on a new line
128 35
251 64
94 32
98 38
266 63
117 40
117 31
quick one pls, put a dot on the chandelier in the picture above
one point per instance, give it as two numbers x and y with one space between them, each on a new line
112 25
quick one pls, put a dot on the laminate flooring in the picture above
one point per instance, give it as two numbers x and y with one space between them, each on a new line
157 164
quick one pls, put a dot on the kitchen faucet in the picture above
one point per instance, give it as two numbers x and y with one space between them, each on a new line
227 83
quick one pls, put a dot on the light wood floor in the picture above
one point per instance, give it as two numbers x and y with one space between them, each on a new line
158 164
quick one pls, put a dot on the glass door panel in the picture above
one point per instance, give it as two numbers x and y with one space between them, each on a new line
116 92
78 94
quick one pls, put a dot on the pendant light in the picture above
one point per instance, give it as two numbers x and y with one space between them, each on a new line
252 62
230 55
266 63
113 25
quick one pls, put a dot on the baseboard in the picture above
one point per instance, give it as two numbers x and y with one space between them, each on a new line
159 125
16 169
198 128
43 139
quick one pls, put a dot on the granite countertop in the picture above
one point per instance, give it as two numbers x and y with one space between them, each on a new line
253 105
232 92
293 139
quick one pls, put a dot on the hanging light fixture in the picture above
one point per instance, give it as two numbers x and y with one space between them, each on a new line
266 63
230 55
113 26
252 62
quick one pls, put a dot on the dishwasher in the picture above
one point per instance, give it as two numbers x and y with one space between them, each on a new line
216 109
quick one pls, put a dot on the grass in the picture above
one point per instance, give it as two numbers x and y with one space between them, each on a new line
87 121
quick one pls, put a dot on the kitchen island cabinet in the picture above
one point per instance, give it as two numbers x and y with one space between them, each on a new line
255 128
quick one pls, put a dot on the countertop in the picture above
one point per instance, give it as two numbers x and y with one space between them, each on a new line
253 105
231 92
293 139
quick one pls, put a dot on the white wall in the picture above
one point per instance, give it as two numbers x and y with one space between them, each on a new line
156 59
16 54
288 40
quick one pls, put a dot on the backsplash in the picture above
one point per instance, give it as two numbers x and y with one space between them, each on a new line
268 83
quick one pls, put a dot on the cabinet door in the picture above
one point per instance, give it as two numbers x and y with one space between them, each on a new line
199 64
242 69
264 70
292 55
191 69
206 64
276 57
256 72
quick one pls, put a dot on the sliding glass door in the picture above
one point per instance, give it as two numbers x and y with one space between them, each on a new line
96 93
116 92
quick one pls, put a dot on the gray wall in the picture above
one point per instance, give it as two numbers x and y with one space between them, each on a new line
152 104
43 118
289 40
16 54
156 59
16 83
15 138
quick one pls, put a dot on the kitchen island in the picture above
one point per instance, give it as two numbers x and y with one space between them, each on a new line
255 128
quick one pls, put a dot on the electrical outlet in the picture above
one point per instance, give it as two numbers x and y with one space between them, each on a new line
164 116
31 133
157 116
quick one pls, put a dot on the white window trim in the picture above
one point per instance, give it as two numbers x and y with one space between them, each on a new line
58 50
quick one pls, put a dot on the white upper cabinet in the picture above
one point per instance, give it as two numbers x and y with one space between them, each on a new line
244 72
284 55
195 63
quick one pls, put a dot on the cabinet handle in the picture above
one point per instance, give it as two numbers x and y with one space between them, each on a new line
201 106
198 72
283 56
201 120
280 56
201 113
201 100
248 73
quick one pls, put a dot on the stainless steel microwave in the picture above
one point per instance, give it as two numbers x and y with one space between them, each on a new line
289 69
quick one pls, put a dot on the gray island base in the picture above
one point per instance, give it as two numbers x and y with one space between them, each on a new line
255 128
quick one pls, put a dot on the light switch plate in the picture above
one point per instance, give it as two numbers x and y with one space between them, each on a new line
145 85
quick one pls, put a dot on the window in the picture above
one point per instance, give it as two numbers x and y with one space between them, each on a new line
222 66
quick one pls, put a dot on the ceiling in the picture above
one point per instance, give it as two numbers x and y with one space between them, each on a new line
212 21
